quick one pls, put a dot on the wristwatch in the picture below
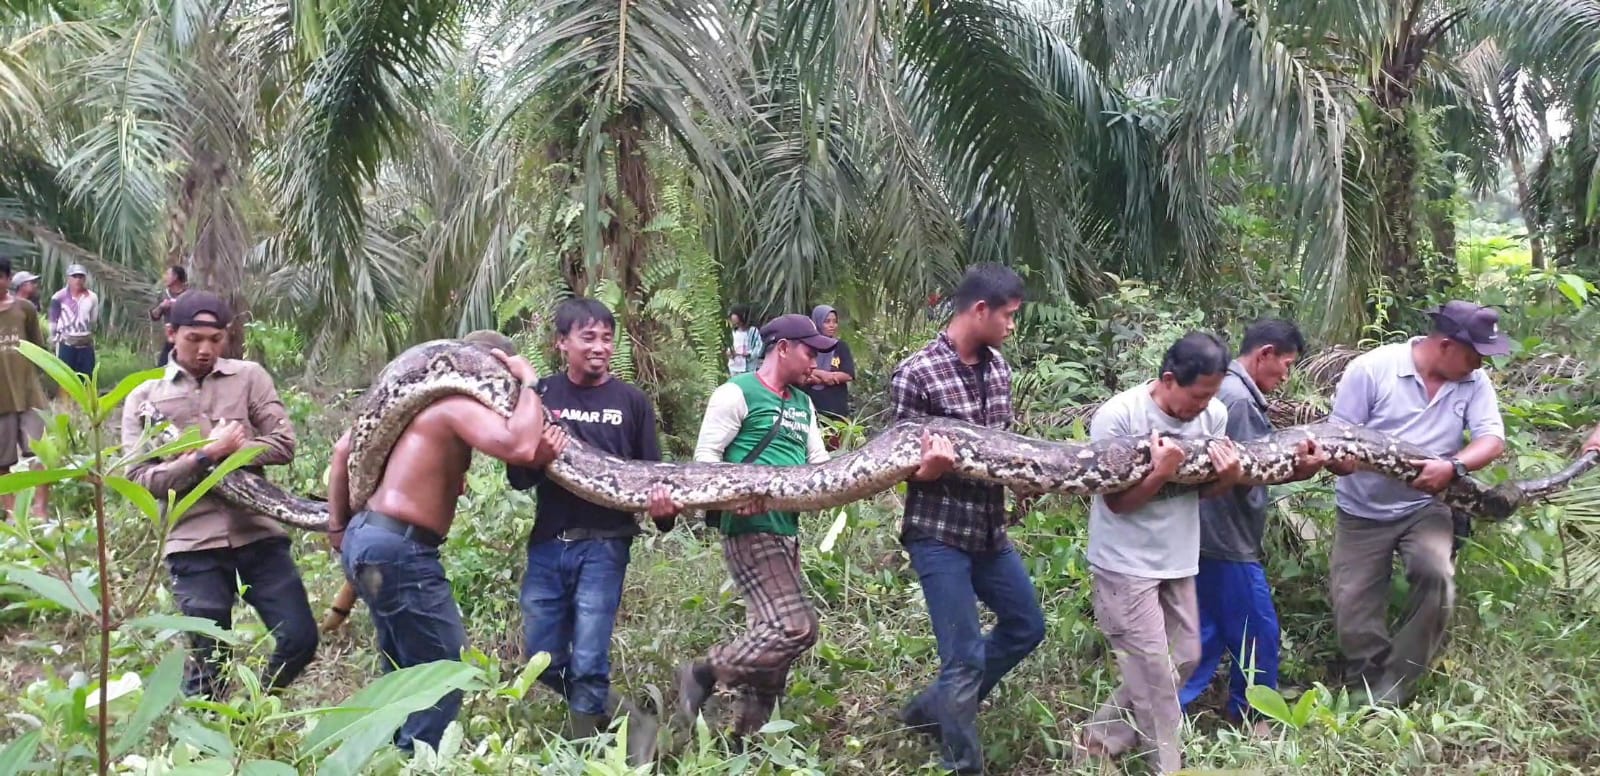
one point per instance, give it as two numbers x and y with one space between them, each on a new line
206 464
1459 467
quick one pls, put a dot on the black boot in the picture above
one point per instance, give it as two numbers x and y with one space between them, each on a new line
642 729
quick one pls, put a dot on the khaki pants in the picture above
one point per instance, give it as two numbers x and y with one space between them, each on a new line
1154 629
1363 564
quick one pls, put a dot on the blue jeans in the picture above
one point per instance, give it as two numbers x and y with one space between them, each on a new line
570 596
413 611
1235 608
78 359
970 663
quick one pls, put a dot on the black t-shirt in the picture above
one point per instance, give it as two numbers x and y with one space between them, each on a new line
834 400
614 417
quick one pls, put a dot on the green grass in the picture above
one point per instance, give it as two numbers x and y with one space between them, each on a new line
1515 697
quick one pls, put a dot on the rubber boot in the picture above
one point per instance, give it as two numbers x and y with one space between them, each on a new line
642 729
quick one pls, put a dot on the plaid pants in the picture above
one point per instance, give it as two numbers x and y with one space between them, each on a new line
781 623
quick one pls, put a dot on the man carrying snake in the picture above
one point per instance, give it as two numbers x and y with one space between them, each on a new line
1144 551
1430 391
764 417
390 549
578 552
216 546
955 528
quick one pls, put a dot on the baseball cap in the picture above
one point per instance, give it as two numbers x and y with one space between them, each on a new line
195 303
795 326
77 269
22 278
1471 324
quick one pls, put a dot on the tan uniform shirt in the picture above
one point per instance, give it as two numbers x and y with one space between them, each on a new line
235 390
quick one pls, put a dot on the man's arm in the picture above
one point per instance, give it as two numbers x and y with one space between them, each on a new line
339 490
30 327
1223 426
269 420
514 440
177 474
816 448
1487 427
909 399
725 413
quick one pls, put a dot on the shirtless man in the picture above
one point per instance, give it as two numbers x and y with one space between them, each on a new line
390 549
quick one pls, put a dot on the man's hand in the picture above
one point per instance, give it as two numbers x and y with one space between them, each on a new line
754 505
551 443
1225 460
226 437
517 366
1309 459
166 304
662 507
1437 474
1165 455
1593 442
336 540
938 456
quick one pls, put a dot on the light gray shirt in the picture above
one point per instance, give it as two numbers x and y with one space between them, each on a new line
1382 390
1160 540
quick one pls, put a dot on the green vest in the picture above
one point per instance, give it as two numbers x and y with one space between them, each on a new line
788 448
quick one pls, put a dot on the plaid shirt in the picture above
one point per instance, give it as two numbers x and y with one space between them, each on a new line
963 513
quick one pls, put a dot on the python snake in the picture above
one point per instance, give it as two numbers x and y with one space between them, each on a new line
433 370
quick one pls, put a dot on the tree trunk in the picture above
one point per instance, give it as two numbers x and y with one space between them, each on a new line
626 241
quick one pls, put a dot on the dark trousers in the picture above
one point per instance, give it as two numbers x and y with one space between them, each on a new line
166 353
413 610
79 359
971 663
205 583
570 596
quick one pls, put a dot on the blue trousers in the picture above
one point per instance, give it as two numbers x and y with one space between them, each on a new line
570 596
78 359
413 610
1236 617
970 663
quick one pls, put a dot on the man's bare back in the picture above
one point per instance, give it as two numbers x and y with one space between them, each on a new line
427 466
426 470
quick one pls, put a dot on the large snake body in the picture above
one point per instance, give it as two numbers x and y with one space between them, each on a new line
434 370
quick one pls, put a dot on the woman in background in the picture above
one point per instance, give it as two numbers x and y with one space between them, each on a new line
829 384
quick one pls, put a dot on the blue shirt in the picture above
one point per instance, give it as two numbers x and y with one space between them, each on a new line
1383 391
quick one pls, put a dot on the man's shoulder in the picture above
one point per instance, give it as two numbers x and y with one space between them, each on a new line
244 367
1381 358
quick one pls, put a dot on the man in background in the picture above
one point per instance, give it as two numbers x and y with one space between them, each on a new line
26 285
176 281
744 354
74 314
21 396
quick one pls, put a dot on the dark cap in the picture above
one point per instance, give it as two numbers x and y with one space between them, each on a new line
1471 324
795 326
192 304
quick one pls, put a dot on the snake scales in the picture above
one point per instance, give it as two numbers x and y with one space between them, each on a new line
432 370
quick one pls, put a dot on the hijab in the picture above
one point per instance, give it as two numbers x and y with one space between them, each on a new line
824 361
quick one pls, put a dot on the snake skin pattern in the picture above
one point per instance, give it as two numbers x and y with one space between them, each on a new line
432 370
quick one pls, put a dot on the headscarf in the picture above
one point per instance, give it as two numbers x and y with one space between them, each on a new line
819 314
